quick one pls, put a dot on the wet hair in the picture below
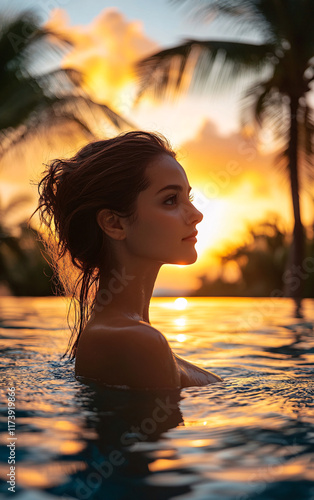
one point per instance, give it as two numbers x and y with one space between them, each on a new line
103 174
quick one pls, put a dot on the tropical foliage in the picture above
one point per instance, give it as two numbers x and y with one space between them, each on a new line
23 268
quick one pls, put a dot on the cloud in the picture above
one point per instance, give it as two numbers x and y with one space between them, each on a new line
105 52
229 163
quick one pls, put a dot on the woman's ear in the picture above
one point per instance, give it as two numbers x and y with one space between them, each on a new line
110 223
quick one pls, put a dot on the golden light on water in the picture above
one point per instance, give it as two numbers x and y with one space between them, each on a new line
181 337
29 476
70 447
46 475
180 322
65 425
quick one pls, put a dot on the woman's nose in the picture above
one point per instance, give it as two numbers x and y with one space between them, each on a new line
194 216
198 216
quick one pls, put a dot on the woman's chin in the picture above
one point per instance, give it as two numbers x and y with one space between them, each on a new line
185 261
191 261
181 259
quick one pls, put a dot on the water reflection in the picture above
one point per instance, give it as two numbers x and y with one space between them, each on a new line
121 431
300 343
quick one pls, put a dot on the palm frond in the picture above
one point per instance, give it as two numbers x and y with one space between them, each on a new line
23 41
264 101
241 16
60 82
13 39
232 8
275 21
31 101
56 111
171 69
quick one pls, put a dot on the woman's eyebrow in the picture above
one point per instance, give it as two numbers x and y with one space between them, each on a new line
178 187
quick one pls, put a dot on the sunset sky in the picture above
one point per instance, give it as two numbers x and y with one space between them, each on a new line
234 178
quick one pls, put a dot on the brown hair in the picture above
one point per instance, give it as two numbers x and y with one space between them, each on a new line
103 174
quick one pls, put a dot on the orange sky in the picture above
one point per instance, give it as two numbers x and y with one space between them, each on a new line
233 183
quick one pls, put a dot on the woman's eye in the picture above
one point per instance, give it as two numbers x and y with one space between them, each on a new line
172 200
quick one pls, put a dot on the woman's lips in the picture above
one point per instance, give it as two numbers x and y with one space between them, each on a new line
191 238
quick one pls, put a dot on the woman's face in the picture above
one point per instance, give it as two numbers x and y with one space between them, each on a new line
165 216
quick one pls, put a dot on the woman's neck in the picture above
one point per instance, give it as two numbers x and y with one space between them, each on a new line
126 291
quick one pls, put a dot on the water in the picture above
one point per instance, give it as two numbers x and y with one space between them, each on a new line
249 437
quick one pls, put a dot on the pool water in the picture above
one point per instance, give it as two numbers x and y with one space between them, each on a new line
248 437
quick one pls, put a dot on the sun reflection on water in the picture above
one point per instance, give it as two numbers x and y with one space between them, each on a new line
181 337
180 322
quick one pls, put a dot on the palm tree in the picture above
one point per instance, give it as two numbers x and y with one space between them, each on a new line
32 100
282 62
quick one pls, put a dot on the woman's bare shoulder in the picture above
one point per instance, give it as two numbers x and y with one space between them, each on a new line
139 353
126 331
141 339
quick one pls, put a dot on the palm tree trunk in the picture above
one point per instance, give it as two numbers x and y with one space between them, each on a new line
294 274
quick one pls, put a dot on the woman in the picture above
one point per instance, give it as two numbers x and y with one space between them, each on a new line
120 209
